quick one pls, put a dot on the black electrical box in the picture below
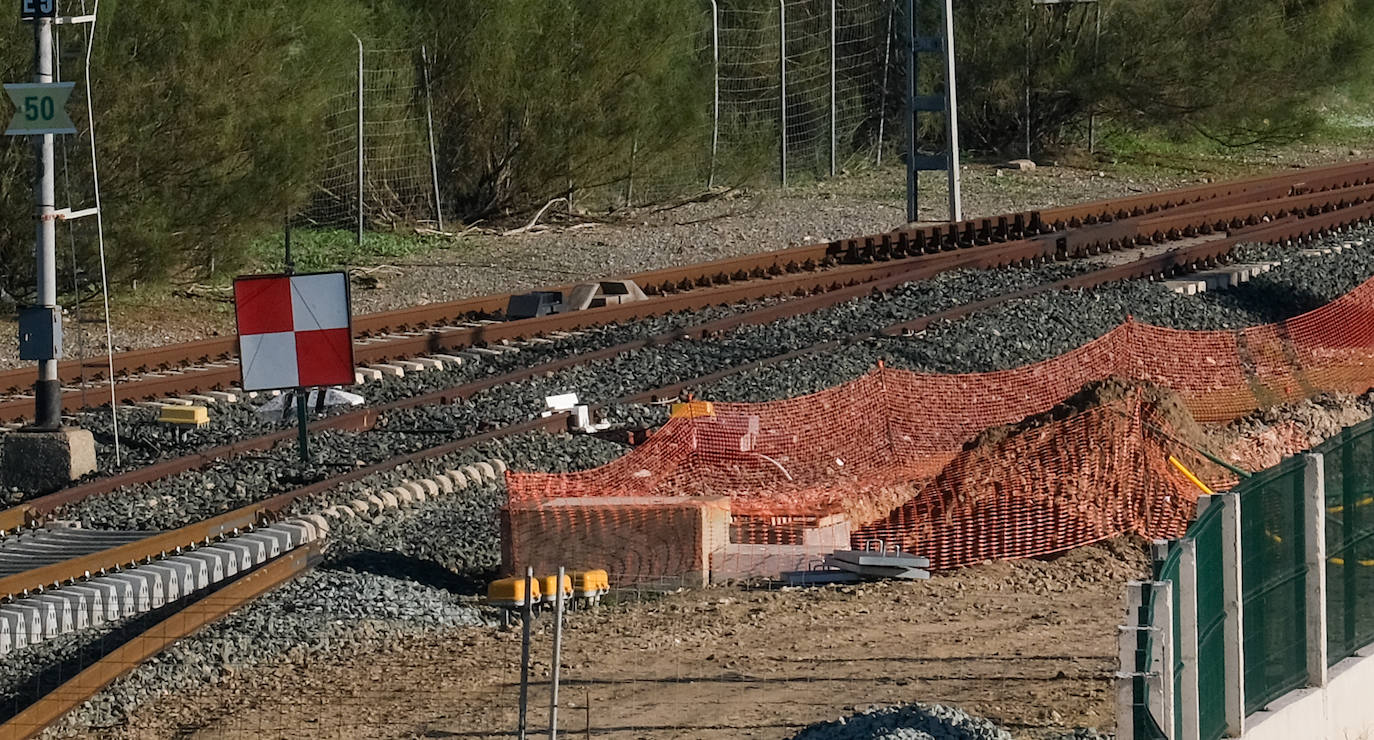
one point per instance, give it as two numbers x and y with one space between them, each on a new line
40 333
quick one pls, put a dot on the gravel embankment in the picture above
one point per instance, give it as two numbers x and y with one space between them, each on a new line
422 573
1017 333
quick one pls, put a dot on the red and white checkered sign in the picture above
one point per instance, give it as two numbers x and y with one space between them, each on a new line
294 331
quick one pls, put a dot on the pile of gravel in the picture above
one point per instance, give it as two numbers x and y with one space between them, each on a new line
907 722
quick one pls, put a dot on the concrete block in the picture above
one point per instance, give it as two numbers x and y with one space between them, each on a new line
640 540
431 488
417 491
410 366
459 478
176 402
429 363
394 371
223 396
40 462
389 500
366 374
498 465
445 484
198 399
453 360
487 471
403 495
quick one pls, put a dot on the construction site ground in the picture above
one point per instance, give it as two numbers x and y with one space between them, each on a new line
1028 644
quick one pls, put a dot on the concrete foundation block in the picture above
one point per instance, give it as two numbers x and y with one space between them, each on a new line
40 462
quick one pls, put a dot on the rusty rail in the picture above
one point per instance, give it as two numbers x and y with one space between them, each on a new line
35 718
862 279
918 240
182 623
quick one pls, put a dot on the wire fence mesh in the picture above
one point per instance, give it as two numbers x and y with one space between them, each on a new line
1349 460
378 135
1274 580
797 91
1211 619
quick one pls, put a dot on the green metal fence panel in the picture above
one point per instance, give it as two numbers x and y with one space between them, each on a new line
1349 462
1145 726
1167 571
1211 618
1274 583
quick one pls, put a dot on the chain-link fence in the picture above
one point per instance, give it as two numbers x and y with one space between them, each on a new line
796 91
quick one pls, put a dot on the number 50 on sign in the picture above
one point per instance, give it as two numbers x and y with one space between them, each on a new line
41 108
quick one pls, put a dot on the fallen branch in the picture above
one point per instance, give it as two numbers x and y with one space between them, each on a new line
525 229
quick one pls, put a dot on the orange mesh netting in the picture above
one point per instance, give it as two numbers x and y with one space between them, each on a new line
874 448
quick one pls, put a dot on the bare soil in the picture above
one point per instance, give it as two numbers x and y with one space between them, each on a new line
1028 644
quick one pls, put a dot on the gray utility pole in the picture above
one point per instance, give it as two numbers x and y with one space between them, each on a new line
943 103
47 391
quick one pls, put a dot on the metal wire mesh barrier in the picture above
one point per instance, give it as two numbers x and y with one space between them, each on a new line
393 157
1266 646
886 452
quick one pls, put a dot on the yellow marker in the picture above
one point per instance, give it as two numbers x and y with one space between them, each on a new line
510 592
1189 475
184 416
693 410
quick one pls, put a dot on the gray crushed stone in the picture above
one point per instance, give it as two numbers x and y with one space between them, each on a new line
907 722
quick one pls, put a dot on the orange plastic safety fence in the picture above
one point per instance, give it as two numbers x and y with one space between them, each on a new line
872 449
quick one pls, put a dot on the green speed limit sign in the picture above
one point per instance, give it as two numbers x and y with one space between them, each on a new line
41 108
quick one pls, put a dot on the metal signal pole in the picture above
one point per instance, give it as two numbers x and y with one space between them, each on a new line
47 390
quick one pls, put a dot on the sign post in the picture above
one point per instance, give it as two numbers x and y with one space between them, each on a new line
295 333
40 115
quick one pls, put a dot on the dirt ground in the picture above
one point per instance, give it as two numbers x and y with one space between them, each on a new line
1029 644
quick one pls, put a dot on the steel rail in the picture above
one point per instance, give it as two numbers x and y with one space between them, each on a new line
178 625
887 275
52 707
888 254
1186 258
930 238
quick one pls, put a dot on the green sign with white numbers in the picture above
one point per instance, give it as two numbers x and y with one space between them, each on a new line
41 108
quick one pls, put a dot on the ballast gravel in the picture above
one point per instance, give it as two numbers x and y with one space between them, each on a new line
1017 333
909 722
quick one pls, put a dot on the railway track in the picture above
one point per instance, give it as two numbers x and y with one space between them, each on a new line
210 365
1285 218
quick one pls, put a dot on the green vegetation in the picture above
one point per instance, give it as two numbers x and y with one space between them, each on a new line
314 250
213 115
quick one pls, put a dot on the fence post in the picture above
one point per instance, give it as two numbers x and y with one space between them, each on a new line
1314 514
433 160
359 238
834 50
1233 604
956 205
715 94
1188 637
1162 597
882 99
1126 638
782 82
